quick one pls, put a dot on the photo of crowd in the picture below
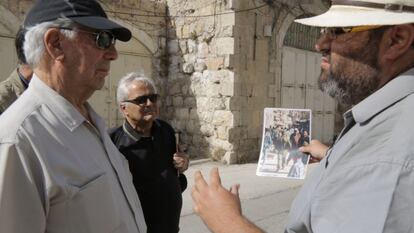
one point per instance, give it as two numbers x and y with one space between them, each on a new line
284 131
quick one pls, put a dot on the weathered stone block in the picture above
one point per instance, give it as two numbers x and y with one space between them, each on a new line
200 65
206 117
178 101
223 118
192 127
192 46
202 50
190 102
168 101
188 68
184 89
224 46
218 143
215 63
185 31
227 88
190 58
207 130
218 153
174 89
183 113
216 104
226 31
222 132
237 115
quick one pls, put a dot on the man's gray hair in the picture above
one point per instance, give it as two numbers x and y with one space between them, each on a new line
34 47
122 92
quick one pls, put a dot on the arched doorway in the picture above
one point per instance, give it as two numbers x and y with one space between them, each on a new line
300 72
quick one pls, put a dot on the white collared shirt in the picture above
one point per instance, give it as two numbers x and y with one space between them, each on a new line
366 182
61 173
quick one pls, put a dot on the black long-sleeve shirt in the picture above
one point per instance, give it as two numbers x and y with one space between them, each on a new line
154 175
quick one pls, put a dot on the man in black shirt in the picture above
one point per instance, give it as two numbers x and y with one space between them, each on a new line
149 145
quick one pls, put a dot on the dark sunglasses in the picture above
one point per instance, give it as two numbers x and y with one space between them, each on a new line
103 39
141 100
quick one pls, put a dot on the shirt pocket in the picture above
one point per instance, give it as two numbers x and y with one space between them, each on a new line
92 209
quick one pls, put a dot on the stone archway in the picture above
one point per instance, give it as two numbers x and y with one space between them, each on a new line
139 35
298 69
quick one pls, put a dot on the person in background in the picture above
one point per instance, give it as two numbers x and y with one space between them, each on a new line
59 170
154 158
365 181
18 81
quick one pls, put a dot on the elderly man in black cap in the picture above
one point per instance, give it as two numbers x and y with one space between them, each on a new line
365 182
59 170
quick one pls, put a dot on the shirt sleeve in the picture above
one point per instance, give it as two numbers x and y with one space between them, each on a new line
21 208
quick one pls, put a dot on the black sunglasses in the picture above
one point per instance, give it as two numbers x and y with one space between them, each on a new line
103 39
141 100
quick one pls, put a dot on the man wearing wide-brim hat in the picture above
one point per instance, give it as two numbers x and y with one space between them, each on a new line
59 170
365 182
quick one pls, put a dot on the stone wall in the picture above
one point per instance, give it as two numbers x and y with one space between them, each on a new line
219 79
201 78
224 69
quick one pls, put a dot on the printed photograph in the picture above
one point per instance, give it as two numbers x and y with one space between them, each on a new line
284 131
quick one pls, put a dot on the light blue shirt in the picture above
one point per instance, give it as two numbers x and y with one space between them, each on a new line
366 182
61 173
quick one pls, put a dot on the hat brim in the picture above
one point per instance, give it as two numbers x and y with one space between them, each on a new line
100 23
348 16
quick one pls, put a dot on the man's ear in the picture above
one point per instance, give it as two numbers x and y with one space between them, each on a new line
122 108
398 40
53 44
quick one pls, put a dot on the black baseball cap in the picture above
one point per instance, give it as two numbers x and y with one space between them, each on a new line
87 13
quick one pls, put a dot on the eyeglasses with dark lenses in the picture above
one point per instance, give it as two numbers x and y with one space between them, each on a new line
141 100
103 39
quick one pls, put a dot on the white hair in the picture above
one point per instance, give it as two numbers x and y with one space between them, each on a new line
123 92
34 47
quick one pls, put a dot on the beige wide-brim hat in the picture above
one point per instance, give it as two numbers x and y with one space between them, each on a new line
347 13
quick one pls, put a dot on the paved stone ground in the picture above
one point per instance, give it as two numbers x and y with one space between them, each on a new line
265 200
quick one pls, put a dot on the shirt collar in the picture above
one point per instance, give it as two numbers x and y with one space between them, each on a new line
393 91
132 133
63 109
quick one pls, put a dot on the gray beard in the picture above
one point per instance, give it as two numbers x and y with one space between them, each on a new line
331 88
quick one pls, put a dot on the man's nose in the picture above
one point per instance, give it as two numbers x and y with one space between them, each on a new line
323 44
111 53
